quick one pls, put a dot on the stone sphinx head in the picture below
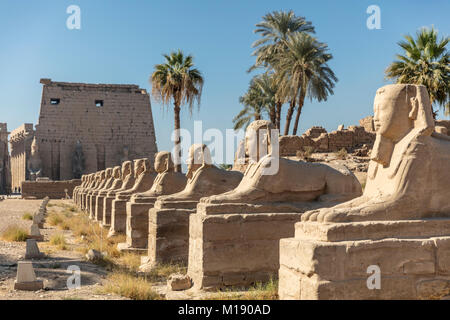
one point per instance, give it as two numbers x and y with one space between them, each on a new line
163 162
117 172
139 167
148 167
109 172
399 110
126 168
199 156
257 139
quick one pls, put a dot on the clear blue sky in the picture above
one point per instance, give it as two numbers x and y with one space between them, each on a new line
121 41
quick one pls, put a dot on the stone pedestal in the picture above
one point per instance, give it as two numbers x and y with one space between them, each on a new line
334 260
118 217
26 278
91 202
137 226
168 233
99 208
107 210
236 249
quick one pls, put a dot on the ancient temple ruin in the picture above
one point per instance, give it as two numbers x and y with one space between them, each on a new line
5 176
83 128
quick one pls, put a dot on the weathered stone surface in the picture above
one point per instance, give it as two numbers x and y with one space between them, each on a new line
166 182
178 282
52 189
168 236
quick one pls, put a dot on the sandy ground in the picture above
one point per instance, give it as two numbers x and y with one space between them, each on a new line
52 269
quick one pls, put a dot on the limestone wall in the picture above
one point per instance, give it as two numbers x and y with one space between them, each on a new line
322 141
51 189
109 121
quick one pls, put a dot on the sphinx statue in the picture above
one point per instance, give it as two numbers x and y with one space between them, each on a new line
168 239
92 179
34 165
95 179
295 187
405 177
166 182
234 236
143 178
126 182
115 182
78 164
101 180
77 188
105 185
400 224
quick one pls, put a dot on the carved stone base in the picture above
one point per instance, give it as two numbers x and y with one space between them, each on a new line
99 208
168 238
236 249
331 260
29 286
107 210
118 217
137 225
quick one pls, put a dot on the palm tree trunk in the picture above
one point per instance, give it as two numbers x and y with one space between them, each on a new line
177 159
272 115
278 115
289 116
257 116
301 101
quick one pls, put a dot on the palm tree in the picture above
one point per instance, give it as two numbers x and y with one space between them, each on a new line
179 82
266 83
253 107
426 61
303 71
275 29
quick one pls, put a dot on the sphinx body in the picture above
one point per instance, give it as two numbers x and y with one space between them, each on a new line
294 186
105 185
102 179
234 236
114 184
144 176
126 182
168 238
166 182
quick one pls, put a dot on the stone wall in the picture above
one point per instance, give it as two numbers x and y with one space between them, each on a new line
321 141
20 141
51 189
108 123
367 123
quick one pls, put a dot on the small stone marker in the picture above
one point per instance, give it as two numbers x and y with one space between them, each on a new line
32 250
26 278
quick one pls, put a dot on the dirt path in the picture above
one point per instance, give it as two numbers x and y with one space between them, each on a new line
53 268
